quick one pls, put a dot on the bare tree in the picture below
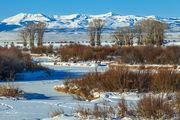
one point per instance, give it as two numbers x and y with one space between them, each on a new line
24 36
119 37
41 27
30 30
95 30
151 32
99 24
138 33
91 33
123 36
159 32
128 35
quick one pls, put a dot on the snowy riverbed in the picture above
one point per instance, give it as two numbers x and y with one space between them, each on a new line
40 97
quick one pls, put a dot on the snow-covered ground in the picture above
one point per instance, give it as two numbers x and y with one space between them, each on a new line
40 97
58 39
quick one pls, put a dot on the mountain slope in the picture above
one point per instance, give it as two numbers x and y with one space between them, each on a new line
79 22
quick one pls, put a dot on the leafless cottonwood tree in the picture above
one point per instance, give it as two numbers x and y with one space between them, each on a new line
99 24
95 30
151 32
138 33
30 30
91 33
123 36
119 37
24 36
41 27
27 34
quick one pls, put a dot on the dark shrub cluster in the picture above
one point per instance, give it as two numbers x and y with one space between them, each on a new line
148 107
155 107
78 52
121 79
149 55
98 112
12 61
10 91
42 49
126 54
178 103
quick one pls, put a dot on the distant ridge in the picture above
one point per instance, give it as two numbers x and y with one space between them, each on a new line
78 22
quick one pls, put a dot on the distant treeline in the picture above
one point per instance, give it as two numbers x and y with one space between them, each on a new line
146 32
126 54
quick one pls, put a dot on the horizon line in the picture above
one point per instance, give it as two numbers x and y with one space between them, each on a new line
113 13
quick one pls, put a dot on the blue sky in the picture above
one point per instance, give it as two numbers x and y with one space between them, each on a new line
164 8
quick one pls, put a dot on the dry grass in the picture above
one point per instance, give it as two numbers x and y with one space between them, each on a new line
155 107
144 67
165 81
10 91
56 112
128 54
12 61
148 108
79 52
97 113
122 108
121 79
106 111
43 49
178 103
83 112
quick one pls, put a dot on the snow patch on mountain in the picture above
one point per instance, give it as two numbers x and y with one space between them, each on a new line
80 21
23 17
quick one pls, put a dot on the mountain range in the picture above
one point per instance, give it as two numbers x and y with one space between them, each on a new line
79 22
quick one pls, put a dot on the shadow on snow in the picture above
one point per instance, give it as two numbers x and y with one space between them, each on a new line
47 75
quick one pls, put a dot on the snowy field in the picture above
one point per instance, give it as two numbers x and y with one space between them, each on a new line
58 39
40 97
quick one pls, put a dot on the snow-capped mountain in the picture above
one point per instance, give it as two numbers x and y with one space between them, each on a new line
79 22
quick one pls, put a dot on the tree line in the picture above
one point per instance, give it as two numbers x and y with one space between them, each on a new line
146 32
30 32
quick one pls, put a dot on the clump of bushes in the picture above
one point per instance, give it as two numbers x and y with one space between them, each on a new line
149 55
42 49
12 60
177 103
126 54
149 107
103 112
97 113
155 107
121 79
56 112
165 81
77 52
10 91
